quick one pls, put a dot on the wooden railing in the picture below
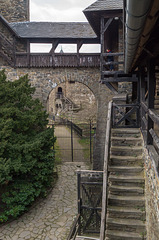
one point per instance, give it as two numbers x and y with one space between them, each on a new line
125 115
57 60
74 229
105 172
150 131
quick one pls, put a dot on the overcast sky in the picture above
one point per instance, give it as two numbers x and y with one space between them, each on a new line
60 11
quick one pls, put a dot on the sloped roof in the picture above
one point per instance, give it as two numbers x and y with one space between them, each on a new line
6 23
105 5
74 30
94 11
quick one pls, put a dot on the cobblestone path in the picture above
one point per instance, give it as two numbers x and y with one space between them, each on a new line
51 218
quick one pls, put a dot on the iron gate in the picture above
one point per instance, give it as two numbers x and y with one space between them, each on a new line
90 185
74 143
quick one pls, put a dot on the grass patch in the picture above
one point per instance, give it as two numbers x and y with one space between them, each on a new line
58 155
85 143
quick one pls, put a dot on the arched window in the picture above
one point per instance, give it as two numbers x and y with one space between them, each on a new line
59 90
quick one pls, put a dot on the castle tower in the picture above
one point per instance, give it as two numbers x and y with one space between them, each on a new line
15 10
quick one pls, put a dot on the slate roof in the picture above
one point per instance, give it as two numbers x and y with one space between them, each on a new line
68 30
93 12
105 5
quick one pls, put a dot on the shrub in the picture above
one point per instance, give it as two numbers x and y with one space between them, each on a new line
26 157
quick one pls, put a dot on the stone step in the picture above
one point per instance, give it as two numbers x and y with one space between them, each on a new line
85 238
125 170
124 225
126 212
126 190
123 180
126 160
128 201
156 106
126 151
125 132
126 141
120 235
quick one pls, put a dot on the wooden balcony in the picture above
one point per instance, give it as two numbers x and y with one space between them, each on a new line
57 60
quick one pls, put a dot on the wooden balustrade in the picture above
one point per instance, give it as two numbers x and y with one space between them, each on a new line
57 60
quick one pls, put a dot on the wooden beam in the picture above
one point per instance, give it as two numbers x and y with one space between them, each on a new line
154 116
112 54
120 79
151 95
112 15
28 53
105 173
142 95
102 44
79 45
113 63
107 24
109 85
54 46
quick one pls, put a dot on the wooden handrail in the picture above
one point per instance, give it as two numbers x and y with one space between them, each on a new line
112 54
105 172
74 229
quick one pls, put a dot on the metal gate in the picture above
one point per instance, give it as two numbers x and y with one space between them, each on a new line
74 143
90 185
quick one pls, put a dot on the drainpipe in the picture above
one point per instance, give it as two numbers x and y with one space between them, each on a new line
136 13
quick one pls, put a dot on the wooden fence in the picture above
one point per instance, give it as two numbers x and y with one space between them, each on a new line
57 60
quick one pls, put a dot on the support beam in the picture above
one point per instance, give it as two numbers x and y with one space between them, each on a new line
151 83
54 46
102 46
28 53
79 45
107 24
142 96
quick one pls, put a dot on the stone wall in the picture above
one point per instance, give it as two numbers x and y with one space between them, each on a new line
46 79
81 105
152 197
15 10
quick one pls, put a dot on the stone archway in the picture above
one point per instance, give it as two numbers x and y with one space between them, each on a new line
46 79
75 101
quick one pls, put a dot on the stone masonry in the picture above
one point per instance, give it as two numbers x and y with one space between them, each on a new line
152 197
50 218
15 10
44 79
76 102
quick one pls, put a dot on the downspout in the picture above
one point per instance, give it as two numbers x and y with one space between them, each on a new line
136 13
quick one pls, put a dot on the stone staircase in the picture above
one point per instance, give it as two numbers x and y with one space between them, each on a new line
126 199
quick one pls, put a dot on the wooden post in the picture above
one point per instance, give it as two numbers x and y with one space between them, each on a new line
105 173
142 95
79 200
71 140
14 51
102 45
79 45
90 130
28 53
151 83
52 51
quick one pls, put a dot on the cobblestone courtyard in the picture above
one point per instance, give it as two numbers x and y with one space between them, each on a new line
52 217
